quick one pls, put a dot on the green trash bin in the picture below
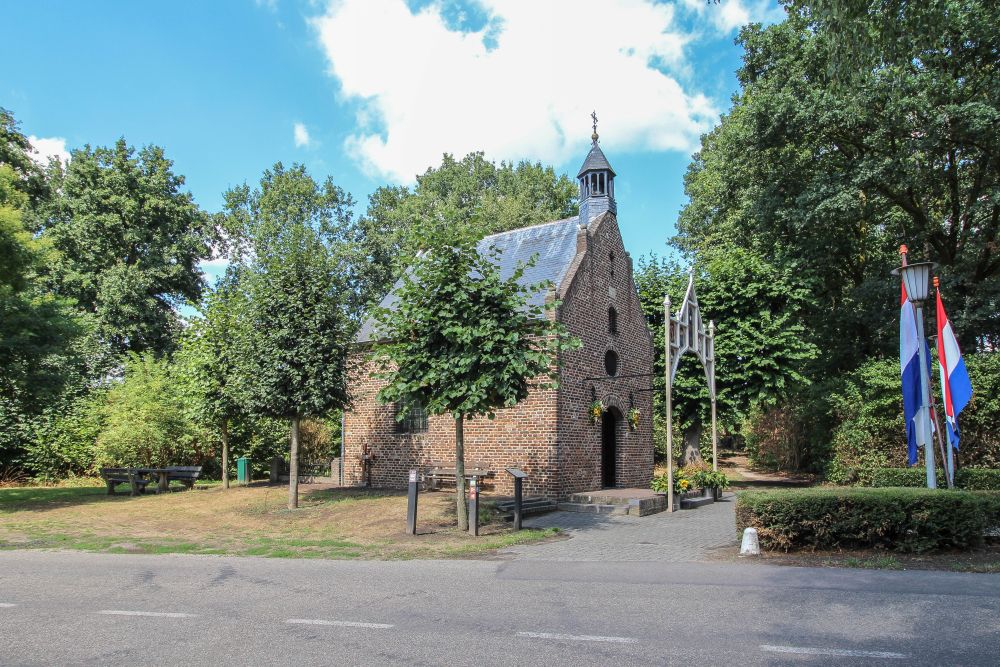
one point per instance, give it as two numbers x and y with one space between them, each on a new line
243 470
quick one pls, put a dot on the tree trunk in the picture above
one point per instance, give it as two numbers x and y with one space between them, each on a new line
225 453
692 444
293 466
460 503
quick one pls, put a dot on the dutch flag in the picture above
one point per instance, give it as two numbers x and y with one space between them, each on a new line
955 384
909 364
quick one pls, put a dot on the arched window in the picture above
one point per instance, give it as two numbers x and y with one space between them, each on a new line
611 363
612 321
611 259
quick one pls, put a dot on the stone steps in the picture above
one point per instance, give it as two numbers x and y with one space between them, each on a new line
594 508
532 505
610 501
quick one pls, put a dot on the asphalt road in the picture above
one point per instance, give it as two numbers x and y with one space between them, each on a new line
60 608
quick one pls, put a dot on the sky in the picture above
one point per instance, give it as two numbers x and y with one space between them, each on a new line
373 92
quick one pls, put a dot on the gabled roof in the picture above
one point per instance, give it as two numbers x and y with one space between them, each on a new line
553 242
595 161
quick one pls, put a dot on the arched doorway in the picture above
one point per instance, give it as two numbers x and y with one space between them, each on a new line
609 447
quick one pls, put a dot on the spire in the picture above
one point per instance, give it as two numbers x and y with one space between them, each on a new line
597 181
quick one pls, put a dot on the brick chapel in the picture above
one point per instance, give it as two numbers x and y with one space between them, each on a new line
551 435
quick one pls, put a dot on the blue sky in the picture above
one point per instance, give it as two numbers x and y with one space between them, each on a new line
374 91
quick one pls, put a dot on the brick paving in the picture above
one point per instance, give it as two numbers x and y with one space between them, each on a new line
683 536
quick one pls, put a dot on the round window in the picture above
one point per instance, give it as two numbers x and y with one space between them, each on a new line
611 363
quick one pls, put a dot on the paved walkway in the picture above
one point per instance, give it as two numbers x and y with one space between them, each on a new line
683 536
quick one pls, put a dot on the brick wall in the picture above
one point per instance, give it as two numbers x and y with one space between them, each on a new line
522 436
602 278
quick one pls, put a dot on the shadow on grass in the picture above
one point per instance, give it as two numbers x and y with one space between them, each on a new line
42 499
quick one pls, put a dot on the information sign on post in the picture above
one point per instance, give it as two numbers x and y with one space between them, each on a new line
411 503
474 506
518 476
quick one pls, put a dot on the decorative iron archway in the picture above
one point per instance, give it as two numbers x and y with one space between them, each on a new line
686 332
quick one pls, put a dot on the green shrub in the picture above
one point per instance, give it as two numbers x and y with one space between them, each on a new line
970 479
907 520
978 479
146 423
867 406
909 477
64 440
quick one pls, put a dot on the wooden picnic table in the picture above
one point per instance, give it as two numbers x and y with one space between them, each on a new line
164 477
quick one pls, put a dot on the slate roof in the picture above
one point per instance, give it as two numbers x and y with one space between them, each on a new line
553 242
595 160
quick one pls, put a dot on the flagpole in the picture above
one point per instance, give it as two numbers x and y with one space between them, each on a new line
925 399
949 472
950 455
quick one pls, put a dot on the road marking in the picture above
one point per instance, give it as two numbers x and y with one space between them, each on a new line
159 614
577 638
850 653
339 624
7 605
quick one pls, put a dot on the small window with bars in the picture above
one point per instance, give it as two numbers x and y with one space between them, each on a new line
415 420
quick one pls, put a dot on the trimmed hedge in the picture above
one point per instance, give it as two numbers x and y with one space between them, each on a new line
970 479
898 519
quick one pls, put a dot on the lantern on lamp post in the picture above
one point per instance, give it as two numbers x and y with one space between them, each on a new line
916 278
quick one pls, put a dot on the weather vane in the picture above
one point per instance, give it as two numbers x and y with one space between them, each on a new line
593 115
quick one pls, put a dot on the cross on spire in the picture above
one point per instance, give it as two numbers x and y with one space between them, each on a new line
593 137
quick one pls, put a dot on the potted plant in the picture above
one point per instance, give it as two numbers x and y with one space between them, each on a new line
633 418
716 481
595 411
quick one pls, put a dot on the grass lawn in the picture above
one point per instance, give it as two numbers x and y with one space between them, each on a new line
246 521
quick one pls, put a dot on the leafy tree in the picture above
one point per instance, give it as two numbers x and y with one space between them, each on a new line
38 332
145 421
208 364
834 174
16 153
129 243
473 192
465 341
295 269
858 127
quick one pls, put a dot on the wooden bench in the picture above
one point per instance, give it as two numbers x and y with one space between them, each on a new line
442 471
187 475
115 476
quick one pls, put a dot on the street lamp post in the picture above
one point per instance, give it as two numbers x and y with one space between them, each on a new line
916 278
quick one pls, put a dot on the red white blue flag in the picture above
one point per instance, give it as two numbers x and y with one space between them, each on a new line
955 383
909 365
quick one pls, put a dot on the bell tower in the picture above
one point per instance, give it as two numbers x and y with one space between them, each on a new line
597 182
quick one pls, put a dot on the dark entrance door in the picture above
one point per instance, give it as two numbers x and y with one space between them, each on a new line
609 448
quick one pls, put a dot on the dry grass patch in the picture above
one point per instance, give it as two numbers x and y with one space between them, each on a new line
250 521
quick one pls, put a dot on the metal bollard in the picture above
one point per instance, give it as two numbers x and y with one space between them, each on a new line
411 503
474 506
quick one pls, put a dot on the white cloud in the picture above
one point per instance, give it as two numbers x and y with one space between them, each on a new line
302 138
48 147
521 87
731 15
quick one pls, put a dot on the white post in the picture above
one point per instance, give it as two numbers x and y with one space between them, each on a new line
670 410
925 407
715 432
